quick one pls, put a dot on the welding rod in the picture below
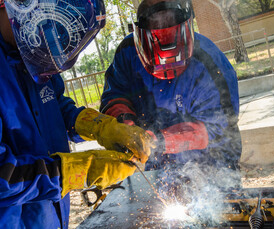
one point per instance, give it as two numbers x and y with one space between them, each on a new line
155 191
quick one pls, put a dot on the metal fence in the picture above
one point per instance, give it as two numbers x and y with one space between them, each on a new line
259 50
86 90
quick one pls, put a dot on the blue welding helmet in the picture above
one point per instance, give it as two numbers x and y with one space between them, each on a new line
50 34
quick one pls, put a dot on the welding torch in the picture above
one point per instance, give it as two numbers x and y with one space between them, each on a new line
147 180
132 162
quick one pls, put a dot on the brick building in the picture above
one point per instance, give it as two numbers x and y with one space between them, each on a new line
211 24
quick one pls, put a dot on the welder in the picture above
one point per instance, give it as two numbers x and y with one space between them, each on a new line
38 40
178 86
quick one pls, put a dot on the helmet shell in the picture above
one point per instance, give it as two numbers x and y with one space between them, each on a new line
165 52
50 34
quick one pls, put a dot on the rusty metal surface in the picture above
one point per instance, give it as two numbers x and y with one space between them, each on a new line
137 206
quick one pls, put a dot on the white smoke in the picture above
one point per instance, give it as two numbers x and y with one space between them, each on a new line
201 188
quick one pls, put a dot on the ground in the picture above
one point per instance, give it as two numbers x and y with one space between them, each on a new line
78 211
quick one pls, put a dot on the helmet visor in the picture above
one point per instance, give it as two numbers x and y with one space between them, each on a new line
51 34
165 53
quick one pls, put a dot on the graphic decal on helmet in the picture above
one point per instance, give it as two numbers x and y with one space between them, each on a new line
51 34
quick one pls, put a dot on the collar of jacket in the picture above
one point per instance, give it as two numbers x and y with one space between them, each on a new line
12 54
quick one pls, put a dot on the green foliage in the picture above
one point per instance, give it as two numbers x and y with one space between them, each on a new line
108 39
195 25
88 64
251 69
248 8
92 96
84 91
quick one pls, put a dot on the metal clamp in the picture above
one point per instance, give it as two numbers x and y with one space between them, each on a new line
98 192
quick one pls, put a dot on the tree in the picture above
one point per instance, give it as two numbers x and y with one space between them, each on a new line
110 36
229 13
248 8
89 64
72 72
265 5
109 39
100 54
121 21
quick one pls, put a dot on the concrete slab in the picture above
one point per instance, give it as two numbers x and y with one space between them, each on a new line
256 123
256 85
257 111
258 146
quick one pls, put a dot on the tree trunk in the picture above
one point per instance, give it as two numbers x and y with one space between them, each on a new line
74 72
100 54
230 16
87 68
121 21
136 4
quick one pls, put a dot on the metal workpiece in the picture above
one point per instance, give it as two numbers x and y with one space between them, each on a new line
136 205
130 207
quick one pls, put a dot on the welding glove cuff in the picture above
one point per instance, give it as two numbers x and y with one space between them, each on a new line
122 109
113 135
185 136
181 137
101 168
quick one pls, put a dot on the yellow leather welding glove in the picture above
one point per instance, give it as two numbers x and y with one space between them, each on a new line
94 167
91 124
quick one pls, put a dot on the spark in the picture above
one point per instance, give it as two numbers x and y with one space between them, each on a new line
176 212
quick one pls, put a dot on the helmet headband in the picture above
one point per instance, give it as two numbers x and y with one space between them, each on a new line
181 12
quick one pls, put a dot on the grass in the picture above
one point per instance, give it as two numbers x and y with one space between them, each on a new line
251 69
259 62
91 97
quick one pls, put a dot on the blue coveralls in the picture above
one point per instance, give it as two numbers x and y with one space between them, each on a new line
34 120
207 91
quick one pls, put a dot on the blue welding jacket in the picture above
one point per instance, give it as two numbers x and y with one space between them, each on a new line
35 121
207 92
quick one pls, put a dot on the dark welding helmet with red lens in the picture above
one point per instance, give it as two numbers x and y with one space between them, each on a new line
165 48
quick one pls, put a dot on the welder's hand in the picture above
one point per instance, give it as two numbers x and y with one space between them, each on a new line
181 137
185 136
113 135
95 167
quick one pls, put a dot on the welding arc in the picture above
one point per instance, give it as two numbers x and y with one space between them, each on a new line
155 191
